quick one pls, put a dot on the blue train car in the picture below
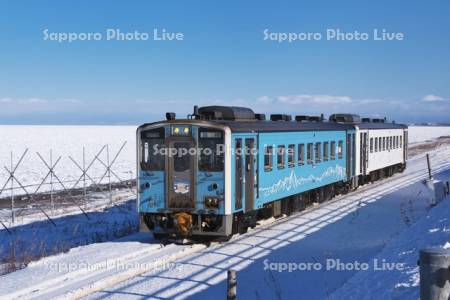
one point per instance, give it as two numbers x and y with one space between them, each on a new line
221 169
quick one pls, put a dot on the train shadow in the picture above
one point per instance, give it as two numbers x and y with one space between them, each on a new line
362 224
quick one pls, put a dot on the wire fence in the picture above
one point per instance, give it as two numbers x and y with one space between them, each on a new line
56 193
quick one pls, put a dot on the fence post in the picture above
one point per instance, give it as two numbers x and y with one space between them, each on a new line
232 285
52 203
429 167
12 192
84 178
434 274
109 175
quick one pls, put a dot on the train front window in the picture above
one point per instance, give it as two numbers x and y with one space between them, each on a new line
211 149
181 161
152 144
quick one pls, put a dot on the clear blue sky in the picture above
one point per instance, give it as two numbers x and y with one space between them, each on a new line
223 59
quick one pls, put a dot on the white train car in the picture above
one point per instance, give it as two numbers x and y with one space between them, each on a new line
381 149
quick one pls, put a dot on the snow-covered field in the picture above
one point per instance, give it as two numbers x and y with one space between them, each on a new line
419 134
359 227
65 141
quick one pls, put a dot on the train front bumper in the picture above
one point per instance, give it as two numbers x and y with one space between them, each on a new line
184 224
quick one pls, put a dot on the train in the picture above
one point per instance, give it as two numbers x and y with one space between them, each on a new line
218 171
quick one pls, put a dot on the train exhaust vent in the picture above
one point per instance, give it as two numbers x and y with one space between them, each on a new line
366 120
228 113
280 117
378 120
345 118
260 117
303 118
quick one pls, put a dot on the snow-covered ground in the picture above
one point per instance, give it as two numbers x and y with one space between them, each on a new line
401 283
354 228
28 241
417 134
65 141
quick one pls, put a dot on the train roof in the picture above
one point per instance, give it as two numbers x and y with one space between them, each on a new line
280 126
375 126
263 126
283 126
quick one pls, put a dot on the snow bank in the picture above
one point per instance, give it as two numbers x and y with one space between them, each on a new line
27 242
432 230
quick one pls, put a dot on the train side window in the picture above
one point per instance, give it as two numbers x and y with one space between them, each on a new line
333 150
371 145
384 143
396 141
301 154
326 149
309 154
401 141
318 152
281 156
268 158
390 143
340 150
291 155
375 148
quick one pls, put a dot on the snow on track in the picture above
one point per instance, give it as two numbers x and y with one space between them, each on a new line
90 268
363 221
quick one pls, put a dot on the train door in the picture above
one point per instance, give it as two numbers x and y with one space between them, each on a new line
181 173
249 172
353 141
363 163
349 156
239 174
405 145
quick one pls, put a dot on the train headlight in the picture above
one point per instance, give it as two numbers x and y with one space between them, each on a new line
211 202
186 130
176 130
